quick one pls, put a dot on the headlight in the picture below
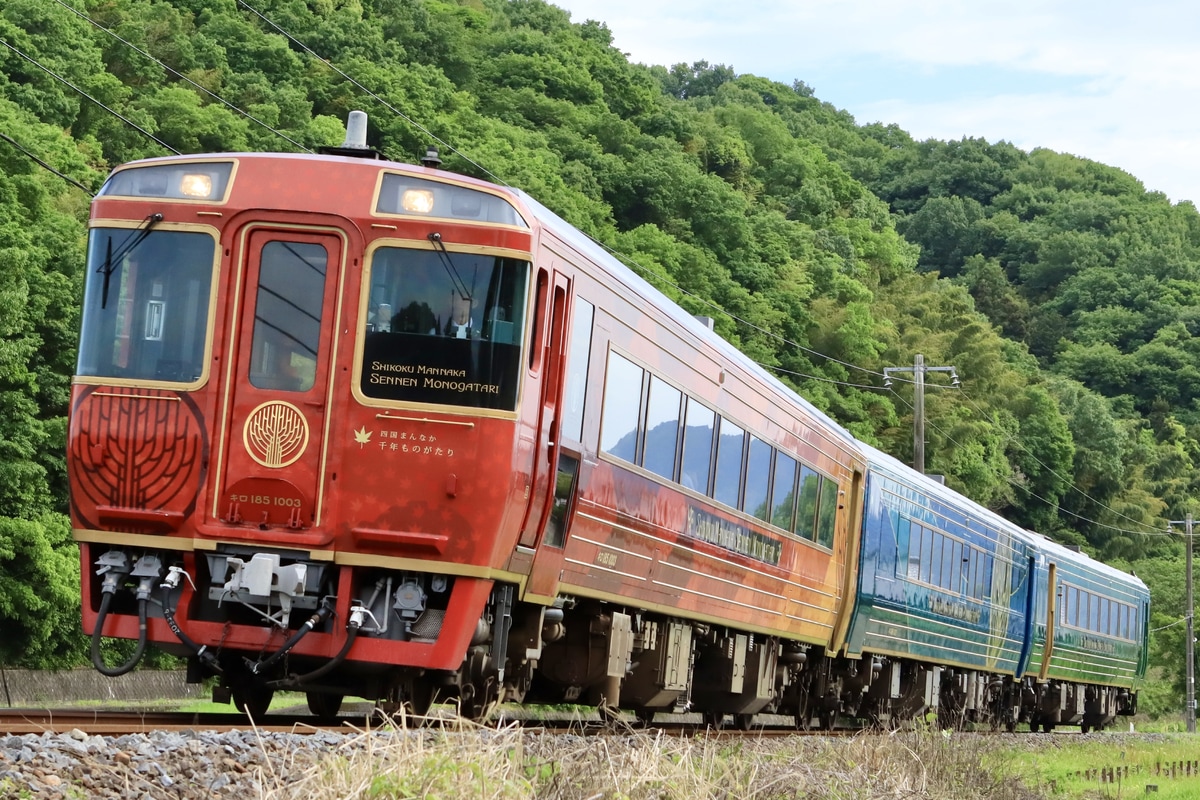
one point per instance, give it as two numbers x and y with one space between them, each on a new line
195 181
195 184
417 201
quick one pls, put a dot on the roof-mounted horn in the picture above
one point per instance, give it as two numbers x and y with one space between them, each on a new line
355 144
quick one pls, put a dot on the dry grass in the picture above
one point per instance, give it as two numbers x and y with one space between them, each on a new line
453 760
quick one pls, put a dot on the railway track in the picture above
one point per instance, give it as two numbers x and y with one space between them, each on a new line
104 722
117 723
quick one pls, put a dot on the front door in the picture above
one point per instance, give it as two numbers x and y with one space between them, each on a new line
278 384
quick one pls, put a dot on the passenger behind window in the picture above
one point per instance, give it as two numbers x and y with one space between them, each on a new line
461 324
415 318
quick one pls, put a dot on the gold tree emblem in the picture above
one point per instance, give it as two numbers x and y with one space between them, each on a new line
275 434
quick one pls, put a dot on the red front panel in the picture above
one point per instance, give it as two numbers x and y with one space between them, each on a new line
270 466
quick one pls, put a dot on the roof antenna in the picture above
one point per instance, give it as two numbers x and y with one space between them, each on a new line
431 159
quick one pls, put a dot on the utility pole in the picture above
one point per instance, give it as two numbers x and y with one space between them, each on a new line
918 369
1190 648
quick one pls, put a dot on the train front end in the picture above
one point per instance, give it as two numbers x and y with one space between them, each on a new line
296 447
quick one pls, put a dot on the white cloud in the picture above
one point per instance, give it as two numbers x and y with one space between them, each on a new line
1111 81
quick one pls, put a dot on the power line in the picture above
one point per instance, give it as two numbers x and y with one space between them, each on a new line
370 93
1057 507
818 378
65 177
1066 479
624 259
183 77
60 78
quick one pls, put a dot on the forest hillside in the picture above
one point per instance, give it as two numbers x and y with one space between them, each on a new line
1063 293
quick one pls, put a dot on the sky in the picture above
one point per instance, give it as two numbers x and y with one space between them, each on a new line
1115 82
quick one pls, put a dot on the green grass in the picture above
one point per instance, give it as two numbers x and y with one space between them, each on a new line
1064 768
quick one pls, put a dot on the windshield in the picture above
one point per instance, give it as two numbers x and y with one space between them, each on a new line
444 327
145 306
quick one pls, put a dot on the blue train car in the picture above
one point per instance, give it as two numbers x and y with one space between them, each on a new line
1089 640
942 603
960 611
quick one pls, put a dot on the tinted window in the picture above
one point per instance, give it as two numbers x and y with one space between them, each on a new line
828 512
564 489
662 428
577 370
729 464
928 557
444 327
938 562
914 547
783 491
145 306
758 478
622 408
287 316
806 512
697 447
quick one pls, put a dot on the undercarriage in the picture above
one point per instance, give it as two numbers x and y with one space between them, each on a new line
575 651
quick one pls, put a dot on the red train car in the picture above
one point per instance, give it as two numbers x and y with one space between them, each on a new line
353 427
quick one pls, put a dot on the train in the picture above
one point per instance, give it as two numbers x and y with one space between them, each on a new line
347 426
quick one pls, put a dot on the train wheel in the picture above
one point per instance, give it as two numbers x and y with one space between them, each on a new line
827 720
610 716
324 706
476 705
743 722
714 720
253 701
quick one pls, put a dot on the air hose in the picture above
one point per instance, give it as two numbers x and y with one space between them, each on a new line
356 620
322 614
98 657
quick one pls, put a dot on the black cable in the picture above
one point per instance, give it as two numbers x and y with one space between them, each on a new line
98 656
182 77
43 164
116 114
370 93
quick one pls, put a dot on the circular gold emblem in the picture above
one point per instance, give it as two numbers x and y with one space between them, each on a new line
276 434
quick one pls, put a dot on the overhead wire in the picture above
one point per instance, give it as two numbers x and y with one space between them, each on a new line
369 92
63 80
1070 481
1150 531
182 77
820 378
631 263
43 164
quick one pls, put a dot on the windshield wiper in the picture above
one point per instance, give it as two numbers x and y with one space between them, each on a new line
111 260
439 247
